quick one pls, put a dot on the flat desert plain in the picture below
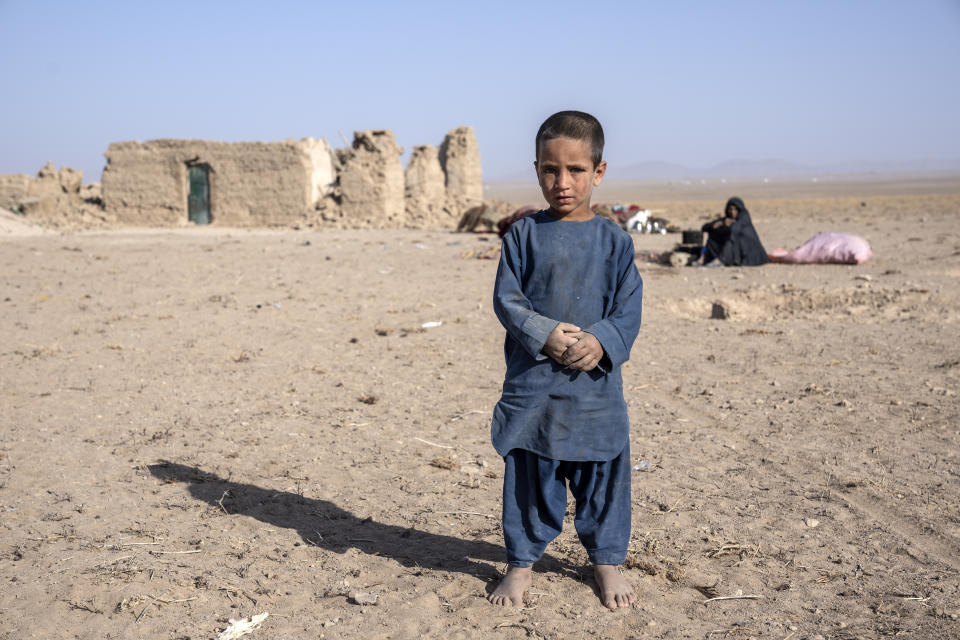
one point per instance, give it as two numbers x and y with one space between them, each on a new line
199 425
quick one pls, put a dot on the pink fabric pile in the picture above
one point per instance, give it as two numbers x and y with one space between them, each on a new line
827 247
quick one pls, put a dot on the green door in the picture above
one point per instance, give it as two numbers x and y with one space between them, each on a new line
198 202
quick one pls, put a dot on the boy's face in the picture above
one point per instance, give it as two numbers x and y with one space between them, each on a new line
567 177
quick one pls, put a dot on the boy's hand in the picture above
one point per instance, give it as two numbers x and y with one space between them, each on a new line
559 340
584 354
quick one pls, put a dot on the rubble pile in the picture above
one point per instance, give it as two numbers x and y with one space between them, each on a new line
54 198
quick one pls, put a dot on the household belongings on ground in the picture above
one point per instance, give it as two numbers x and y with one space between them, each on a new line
687 252
827 247
676 258
490 217
635 219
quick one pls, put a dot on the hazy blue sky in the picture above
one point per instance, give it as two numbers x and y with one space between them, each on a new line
695 83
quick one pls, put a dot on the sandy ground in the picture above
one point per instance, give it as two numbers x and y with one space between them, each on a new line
200 425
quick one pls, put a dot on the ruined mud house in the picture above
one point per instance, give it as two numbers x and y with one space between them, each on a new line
173 182
178 182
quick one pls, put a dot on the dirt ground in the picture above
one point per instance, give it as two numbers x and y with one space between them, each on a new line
198 425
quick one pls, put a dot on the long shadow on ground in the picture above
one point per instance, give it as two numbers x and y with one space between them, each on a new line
323 524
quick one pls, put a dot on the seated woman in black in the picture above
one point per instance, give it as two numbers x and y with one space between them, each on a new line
732 240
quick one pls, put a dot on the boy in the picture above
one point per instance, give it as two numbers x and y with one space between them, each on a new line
569 295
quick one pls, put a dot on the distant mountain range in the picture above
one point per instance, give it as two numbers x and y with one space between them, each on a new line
769 168
773 167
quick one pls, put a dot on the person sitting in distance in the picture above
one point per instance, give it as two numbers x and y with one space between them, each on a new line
732 241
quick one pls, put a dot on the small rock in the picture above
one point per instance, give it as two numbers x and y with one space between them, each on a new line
652 623
719 311
812 522
362 597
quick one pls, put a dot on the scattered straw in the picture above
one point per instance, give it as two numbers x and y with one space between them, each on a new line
433 444
735 549
747 597
220 501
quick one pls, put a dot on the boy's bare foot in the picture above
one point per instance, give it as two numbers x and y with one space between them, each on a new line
509 593
615 591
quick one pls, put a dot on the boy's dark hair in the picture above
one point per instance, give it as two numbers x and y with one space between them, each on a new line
576 125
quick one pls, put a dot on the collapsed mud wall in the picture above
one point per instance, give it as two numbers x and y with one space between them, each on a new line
14 187
371 181
442 183
55 198
251 183
425 194
323 173
18 190
373 190
460 161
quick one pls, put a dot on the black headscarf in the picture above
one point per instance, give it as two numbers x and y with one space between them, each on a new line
737 244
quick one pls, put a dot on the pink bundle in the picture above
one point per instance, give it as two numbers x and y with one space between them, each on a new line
826 247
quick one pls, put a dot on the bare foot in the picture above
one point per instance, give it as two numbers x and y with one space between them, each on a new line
615 591
509 593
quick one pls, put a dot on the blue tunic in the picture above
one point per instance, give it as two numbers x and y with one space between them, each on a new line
554 271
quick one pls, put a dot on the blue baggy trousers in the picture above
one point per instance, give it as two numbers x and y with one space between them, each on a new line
535 500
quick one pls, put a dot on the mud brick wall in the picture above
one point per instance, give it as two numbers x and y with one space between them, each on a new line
251 183
460 160
372 181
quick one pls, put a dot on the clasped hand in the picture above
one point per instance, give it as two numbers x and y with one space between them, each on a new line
573 348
